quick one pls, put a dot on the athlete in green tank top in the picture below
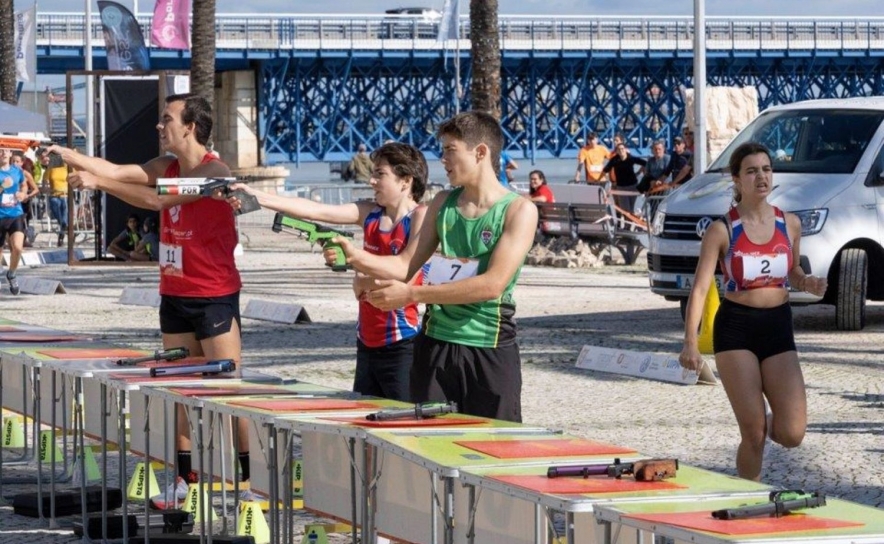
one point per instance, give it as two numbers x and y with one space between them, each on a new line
489 323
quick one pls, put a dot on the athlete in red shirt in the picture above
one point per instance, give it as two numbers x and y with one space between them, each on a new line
199 282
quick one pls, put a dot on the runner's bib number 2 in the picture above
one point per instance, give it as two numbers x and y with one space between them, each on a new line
171 260
449 269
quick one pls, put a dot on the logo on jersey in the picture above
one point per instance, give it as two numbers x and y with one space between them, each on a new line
174 213
486 236
7 182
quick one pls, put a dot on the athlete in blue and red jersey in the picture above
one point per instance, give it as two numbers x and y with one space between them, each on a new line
384 339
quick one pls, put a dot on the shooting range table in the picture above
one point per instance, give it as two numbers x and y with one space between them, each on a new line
421 459
503 495
689 521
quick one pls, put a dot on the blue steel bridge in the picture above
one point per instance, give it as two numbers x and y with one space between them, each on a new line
329 82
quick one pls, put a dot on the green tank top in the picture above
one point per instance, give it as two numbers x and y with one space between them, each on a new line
487 324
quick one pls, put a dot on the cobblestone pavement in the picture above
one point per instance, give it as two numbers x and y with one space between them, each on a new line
559 311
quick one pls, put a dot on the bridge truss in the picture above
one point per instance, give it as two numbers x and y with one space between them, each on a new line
321 107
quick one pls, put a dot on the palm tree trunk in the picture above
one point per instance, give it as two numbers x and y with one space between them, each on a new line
202 64
7 52
485 44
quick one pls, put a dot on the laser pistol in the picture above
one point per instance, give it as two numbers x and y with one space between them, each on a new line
780 504
212 367
207 187
420 411
172 354
645 470
314 233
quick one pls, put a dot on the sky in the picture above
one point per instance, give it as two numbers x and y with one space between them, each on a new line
791 8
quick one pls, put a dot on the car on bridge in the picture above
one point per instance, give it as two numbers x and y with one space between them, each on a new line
409 23
828 164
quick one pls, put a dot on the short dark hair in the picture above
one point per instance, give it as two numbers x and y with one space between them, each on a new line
405 160
474 128
198 111
677 140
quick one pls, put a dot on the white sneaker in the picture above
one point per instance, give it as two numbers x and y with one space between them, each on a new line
175 493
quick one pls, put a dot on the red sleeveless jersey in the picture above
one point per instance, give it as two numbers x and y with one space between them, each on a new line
748 265
377 328
196 246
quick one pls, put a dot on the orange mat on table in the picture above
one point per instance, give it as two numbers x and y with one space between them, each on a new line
575 486
425 422
90 353
518 449
40 337
703 521
295 405
228 391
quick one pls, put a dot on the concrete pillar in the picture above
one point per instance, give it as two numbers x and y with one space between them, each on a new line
236 119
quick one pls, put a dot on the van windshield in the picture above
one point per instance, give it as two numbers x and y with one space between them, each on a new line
813 140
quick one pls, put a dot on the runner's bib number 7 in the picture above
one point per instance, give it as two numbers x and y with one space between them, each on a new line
449 269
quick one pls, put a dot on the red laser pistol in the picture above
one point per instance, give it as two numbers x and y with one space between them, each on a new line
172 354
780 504
207 187
212 367
420 411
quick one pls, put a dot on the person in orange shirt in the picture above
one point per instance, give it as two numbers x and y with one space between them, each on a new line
591 159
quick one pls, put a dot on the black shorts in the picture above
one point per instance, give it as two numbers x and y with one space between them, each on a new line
11 225
206 317
763 331
482 381
384 371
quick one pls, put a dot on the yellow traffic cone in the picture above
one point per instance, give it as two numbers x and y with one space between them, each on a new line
13 432
252 523
46 452
137 488
196 495
314 534
710 307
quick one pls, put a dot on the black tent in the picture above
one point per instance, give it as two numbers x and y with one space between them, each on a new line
14 120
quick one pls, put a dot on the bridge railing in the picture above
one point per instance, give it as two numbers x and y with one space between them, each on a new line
371 32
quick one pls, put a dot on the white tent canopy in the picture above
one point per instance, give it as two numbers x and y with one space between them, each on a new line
14 120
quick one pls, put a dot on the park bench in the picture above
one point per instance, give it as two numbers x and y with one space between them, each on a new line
594 218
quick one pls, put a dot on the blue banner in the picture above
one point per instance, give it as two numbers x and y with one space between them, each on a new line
123 38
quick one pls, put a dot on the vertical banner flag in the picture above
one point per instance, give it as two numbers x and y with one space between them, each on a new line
448 26
171 24
26 44
123 38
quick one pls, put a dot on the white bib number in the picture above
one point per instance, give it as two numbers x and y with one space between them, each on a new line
9 199
171 260
760 266
449 269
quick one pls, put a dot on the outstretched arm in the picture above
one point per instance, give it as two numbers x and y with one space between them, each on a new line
145 174
352 213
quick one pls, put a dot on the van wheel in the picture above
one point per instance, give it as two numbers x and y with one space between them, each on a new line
850 306
683 306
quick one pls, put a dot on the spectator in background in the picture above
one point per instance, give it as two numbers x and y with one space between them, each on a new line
55 180
507 167
654 168
623 166
619 138
539 191
679 166
688 134
148 248
591 160
360 166
125 242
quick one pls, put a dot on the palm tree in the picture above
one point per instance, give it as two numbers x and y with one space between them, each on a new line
7 52
485 52
202 53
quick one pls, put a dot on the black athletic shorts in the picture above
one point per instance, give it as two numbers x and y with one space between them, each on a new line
763 331
206 317
483 382
11 225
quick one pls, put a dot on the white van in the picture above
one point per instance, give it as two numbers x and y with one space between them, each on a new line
828 163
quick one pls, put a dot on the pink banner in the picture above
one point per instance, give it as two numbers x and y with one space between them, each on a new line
171 24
